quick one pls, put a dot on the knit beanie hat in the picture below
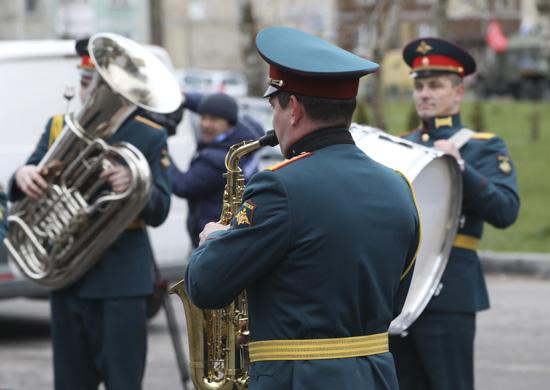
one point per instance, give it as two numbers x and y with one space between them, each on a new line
219 105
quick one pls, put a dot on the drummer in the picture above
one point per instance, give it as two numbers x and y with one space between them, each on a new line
438 352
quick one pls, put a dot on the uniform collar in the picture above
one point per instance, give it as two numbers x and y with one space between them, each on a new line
320 139
442 123
440 127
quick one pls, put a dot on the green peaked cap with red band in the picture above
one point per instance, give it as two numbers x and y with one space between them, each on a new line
430 56
304 64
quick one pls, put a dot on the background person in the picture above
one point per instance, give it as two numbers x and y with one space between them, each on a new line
438 352
203 183
317 268
99 331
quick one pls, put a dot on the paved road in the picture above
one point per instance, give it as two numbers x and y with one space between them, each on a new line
513 343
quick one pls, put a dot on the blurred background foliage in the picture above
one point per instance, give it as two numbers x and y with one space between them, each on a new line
525 126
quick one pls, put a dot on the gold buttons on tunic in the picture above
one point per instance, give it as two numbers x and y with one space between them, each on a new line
425 137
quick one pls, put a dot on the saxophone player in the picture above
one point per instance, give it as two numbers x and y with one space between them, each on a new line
324 243
99 322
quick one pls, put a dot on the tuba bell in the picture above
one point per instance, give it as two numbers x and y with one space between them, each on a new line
57 238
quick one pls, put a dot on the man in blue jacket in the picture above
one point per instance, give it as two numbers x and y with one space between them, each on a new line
203 183
99 324
324 242
438 352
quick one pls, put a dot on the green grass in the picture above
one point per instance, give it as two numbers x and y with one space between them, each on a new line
512 121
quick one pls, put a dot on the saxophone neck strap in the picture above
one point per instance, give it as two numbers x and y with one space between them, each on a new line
461 137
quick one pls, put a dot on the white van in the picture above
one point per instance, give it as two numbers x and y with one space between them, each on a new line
34 76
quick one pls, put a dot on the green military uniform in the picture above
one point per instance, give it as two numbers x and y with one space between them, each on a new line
438 351
99 322
324 245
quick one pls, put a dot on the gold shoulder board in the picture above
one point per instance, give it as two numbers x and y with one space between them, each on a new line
56 128
148 122
483 135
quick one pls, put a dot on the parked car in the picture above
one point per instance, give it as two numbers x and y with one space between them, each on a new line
211 81
35 76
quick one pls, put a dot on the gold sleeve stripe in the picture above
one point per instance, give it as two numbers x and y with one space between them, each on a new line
148 122
56 128
289 161
409 267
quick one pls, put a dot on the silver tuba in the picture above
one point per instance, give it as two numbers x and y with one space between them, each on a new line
56 239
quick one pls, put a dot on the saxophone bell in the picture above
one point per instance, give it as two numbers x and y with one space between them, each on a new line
218 339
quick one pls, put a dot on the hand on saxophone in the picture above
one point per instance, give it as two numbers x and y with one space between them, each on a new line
118 176
30 181
210 228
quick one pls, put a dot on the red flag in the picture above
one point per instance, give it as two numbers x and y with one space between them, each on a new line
495 38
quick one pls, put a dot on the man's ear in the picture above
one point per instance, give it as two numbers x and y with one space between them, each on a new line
459 93
296 110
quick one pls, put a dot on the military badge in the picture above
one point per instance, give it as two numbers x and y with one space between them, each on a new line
245 214
165 158
423 48
504 164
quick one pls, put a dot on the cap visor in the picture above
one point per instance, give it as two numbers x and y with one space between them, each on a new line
270 91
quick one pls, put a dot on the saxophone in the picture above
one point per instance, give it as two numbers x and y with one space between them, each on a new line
218 357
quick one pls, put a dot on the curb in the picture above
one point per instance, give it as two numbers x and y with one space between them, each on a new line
524 264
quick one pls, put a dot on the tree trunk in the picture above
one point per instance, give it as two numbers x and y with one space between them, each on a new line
441 17
386 17
253 65
155 7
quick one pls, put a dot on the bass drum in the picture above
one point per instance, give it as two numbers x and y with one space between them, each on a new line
437 182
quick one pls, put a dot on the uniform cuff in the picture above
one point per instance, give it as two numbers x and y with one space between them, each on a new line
472 181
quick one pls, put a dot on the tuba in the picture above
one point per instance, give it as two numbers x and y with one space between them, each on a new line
57 238
218 358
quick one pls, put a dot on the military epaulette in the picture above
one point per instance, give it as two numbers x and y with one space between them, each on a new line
148 122
406 133
484 136
289 161
56 127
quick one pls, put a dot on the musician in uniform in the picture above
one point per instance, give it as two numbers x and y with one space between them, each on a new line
438 351
99 323
324 242
203 183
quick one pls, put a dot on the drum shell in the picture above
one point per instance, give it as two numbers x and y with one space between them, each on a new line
437 182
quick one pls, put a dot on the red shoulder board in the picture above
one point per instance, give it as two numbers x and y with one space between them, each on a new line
289 161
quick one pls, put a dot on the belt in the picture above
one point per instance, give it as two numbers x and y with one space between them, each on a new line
312 349
136 224
466 242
